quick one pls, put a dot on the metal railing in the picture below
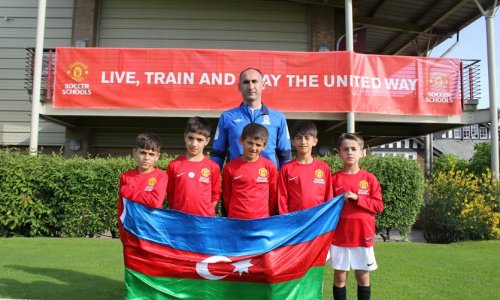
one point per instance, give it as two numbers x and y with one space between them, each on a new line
471 81
48 72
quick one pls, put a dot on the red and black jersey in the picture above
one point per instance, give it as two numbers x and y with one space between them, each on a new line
249 189
193 186
148 189
356 227
302 186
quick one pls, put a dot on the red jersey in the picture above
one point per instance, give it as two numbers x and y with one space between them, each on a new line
249 189
148 189
302 186
193 186
356 227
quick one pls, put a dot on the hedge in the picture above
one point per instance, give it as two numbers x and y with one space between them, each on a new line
48 195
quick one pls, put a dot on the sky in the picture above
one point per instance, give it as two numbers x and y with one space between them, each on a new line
472 45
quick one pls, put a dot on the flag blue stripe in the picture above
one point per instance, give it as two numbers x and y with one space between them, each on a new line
229 237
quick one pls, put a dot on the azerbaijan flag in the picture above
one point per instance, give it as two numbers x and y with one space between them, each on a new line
172 255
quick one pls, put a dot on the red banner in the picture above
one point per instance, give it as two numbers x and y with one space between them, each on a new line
192 79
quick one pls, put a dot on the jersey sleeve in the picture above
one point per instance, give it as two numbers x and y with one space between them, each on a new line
283 147
216 184
328 183
226 188
171 184
373 202
153 198
220 145
282 191
273 190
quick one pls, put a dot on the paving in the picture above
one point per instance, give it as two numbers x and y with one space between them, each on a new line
416 236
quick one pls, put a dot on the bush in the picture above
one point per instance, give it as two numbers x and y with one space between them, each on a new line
27 204
87 193
402 184
47 195
448 162
461 206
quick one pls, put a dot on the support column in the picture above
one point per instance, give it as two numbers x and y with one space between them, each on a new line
85 23
84 34
322 28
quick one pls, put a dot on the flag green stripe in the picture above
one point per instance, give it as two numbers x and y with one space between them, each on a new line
140 286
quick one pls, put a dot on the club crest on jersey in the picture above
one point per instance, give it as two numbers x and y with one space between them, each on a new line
319 176
363 188
151 184
205 175
262 175
266 120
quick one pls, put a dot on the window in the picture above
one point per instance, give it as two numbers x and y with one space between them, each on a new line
457 132
483 133
466 132
475 132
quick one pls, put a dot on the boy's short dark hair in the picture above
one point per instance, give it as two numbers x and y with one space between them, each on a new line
198 125
255 131
303 128
148 141
350 136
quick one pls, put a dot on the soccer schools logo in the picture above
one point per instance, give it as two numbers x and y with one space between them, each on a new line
439 89
363 187
319 176
262 175
78 72
205 175
151 184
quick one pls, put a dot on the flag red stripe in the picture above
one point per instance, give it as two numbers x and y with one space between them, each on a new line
282 264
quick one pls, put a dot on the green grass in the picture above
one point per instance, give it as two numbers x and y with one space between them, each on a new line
44 268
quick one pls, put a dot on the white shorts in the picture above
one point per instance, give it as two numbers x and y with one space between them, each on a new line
357 258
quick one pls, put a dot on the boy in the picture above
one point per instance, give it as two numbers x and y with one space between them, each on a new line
145 183
306 181
249 181
194 185
352 244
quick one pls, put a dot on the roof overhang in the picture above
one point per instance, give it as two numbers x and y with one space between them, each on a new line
408 27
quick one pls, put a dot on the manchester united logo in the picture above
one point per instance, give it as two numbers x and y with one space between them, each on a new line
319 173
263 172
438 81
78 71
151 181
205 172
363 184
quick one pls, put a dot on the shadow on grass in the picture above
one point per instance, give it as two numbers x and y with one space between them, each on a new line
70 285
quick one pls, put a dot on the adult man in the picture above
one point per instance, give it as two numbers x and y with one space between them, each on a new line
252 110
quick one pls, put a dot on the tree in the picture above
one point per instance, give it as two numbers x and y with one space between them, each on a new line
481 160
